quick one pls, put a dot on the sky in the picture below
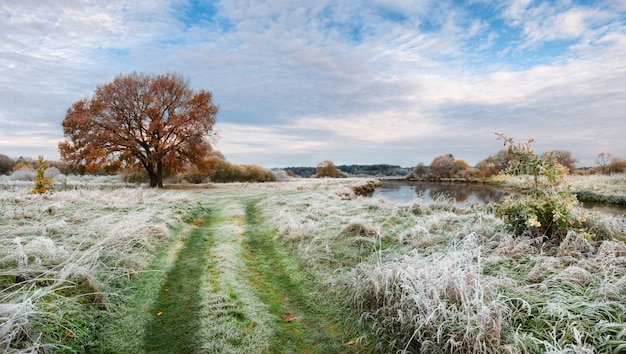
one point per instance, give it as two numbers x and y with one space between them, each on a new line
355 82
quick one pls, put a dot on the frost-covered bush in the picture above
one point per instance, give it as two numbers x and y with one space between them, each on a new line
549 209
605 226
53 173
23 174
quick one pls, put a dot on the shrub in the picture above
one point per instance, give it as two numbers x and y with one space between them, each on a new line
6 164
137 177
53 173
23 174
223 171
549 209
327 169
542 213
254 173
193 177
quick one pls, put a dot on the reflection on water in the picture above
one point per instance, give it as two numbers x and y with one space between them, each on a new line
401 191
405 192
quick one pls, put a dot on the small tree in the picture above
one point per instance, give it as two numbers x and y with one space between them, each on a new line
326 169
441 166
459 167
418 171
549 209
602 160
42 184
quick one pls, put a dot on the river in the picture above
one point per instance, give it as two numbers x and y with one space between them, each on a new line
463 193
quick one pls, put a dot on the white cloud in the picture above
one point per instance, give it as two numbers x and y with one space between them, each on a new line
556 21
354 80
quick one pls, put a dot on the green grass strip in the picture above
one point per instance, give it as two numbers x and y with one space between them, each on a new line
175 321
303 326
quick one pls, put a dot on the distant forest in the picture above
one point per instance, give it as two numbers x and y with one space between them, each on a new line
382 170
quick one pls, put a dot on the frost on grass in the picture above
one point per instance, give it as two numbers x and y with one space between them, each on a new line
441 302
234 319
61 253
440 279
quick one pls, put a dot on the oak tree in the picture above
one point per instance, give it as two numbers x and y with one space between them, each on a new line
154 122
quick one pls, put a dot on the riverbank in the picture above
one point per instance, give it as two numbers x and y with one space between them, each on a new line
599 190
608 189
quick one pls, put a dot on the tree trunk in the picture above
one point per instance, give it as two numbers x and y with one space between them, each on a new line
153 179
159 174
155 173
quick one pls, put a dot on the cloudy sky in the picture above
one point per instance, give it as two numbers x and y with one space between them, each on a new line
302 81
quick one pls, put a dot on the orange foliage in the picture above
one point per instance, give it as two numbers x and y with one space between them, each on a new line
155 122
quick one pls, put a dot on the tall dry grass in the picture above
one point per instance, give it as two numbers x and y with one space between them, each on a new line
62 253
433 278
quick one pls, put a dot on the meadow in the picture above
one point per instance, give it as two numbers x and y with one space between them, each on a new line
305 266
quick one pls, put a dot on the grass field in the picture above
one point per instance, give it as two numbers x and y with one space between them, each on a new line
303 266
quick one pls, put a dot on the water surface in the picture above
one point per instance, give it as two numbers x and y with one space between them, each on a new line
463 193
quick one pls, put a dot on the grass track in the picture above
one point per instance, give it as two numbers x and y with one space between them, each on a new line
175 322
302 326
229 287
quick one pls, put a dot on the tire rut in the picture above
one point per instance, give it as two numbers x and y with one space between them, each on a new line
234 319
232 290
175 319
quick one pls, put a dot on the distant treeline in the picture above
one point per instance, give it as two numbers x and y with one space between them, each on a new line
356 170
